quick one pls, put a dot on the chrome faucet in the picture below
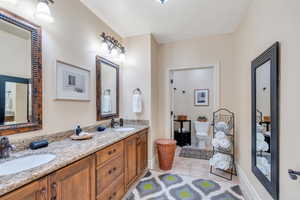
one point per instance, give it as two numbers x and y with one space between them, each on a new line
5 147
115 124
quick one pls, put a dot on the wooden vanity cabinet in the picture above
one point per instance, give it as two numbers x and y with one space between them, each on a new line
131 160
37 190
136 157
142 152
110 172
104 175
74 182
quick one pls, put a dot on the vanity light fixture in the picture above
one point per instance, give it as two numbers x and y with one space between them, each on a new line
13 2
43 11
162 1
113 46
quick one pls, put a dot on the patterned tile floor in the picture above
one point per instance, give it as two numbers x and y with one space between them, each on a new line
189 179
171 186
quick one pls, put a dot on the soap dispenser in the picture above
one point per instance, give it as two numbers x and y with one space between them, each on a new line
78 130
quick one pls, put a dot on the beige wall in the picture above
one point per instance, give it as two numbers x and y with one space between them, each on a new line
136 73
73 38
154 122
199 52
266 22
16 60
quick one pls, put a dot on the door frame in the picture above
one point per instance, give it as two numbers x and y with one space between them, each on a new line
12 79
216 99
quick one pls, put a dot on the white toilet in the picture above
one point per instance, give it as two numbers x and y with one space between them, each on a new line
202 136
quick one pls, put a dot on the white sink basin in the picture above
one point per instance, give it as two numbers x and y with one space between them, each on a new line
24 163
124 129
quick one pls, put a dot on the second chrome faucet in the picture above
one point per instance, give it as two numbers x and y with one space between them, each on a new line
5 147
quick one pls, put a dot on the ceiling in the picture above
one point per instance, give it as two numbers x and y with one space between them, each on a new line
173 21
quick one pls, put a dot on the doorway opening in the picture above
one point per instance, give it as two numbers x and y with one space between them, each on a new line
194 95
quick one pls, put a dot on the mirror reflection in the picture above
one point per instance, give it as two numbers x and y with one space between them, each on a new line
263 125
15 75
109 89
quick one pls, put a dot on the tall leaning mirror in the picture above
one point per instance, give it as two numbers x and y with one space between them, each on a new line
20 75
265 119
107 81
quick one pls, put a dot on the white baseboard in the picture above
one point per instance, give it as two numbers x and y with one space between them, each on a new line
151 163
246 187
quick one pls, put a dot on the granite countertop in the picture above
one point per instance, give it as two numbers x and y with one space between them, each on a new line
67 151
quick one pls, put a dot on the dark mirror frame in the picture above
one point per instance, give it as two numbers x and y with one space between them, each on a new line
99 61
272 54
36 73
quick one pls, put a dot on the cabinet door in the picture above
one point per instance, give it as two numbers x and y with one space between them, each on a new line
131 169
34 191
74 182
142 152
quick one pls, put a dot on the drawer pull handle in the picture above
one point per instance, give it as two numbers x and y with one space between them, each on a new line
111 151
112 170
112 196
43 193
53 187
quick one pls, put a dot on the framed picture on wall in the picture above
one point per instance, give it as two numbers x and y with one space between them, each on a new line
72 82
201 97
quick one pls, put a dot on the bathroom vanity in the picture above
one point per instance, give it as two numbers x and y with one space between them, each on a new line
103 168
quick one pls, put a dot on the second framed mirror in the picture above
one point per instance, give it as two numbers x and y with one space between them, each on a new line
107 89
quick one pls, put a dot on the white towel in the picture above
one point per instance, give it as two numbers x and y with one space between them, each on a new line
222 126
223 143
264 166
220 135
137 103
221 161
107 104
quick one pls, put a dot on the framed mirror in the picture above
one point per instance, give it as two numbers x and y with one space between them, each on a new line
20 75
265 119
107 81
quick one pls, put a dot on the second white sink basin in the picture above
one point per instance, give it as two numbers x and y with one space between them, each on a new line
24 163
124 129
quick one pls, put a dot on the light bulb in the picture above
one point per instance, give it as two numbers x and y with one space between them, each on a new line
122 57
13 2
43 12
114 52
162 1
104 47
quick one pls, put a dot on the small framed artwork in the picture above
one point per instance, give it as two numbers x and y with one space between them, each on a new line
72 82
201 97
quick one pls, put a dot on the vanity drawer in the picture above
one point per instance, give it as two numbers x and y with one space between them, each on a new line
115 191
109 152
109 172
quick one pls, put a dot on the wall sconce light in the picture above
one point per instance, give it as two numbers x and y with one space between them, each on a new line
43 11
12 2
113 46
